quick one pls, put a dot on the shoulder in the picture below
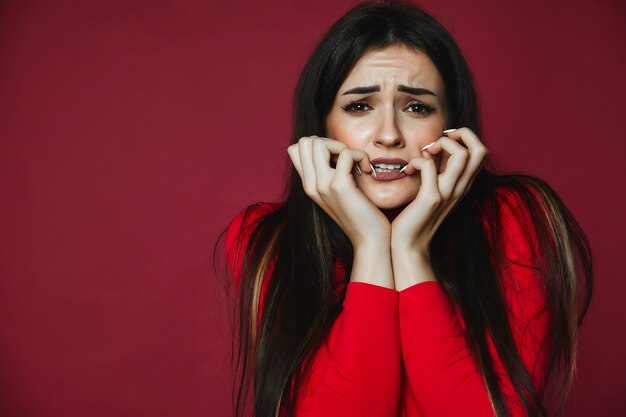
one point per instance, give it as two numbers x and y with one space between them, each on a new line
512 220
245 221
240 230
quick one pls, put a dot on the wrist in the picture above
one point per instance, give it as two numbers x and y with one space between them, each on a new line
404 249
411 267
372 264
372 246
373 242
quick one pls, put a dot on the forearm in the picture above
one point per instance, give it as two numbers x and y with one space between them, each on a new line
357 371
440 368
437 357
438 362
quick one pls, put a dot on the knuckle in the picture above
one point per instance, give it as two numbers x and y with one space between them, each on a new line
464 154
481 149
345 152
309 189
428 164
318 142
432 199
433 203
338 186
322 190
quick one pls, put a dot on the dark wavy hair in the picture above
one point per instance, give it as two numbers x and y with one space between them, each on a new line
273 352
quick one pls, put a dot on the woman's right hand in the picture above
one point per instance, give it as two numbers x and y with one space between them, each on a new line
335 190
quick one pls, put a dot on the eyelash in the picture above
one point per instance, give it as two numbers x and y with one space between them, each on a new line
352 107
424 109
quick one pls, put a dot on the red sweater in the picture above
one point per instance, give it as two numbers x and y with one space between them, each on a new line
405 353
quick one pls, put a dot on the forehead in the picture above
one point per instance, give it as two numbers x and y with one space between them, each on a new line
392 66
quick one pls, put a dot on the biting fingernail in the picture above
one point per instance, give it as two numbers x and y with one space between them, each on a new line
427 146
403 168
373 171
445 132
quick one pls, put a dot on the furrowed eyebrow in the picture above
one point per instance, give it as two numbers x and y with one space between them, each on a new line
363 90
416 91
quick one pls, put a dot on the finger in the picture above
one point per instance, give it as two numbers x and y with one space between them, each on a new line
428 197
455 165
478 154
321 162
433 147
349 158
359 156
478 150
428 176
434 150
334 146
309 183
294 155
455 134
362 160
466 137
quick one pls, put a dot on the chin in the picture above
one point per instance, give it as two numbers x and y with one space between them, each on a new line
388 202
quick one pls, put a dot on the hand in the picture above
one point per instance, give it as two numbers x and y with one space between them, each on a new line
335 190
413 229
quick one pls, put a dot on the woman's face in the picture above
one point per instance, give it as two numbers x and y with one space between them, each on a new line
390 106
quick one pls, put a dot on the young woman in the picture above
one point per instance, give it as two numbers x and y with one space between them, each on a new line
400 276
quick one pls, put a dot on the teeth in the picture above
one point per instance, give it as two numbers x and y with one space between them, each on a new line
388 167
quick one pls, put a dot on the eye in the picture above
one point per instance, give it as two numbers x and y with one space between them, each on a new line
356 107
420 109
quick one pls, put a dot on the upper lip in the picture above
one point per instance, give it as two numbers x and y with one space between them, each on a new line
390 161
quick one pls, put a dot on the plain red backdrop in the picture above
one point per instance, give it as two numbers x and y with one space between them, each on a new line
131 132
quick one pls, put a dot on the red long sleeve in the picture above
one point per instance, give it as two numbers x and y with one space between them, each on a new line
405 353
357 370
443 377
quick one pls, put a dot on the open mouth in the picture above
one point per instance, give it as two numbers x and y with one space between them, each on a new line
379 168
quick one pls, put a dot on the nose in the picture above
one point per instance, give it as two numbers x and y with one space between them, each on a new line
389 133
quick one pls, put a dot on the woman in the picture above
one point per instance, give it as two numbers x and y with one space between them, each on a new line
400 276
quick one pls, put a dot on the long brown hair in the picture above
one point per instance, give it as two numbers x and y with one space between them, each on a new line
273 351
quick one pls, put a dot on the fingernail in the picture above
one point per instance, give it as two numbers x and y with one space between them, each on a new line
373 171
402 170
445 132
358 170
427 146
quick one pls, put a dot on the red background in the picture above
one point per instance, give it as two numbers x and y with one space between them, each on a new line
132 131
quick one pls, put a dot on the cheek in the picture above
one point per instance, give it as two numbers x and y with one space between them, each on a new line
354 132
423 135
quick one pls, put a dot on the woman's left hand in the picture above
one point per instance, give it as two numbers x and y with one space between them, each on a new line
441 189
